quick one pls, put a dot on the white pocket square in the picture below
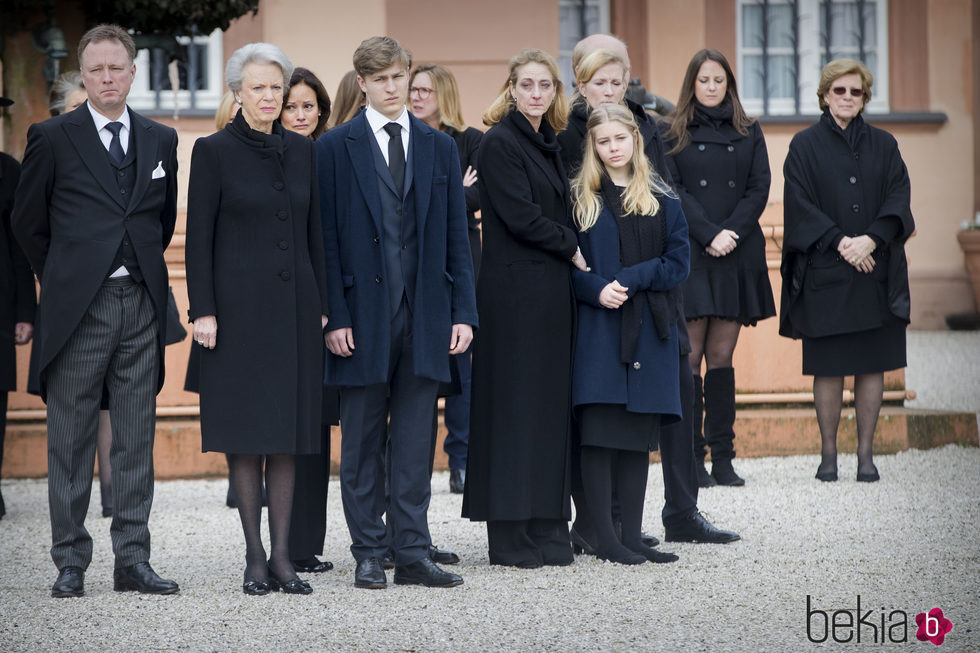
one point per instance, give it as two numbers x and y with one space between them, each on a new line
158 171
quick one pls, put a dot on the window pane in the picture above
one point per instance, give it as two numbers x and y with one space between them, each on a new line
844 26
752 26
782 77
750 79
780 26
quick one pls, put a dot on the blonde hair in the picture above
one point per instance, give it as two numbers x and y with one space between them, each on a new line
225 112
591 64
839 68
348 100
557 114
447 94
639 196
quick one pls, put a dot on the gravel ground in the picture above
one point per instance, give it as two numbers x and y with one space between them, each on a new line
909 543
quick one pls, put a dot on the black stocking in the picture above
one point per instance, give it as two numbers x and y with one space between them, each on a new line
827 397
697 331
868 389
280 475
597 472
631 487
719 342
245 472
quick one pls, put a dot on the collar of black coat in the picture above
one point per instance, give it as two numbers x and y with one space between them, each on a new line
854 130
240 128
544 138
713 125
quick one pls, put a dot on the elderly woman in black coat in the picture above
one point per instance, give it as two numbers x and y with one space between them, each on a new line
517 477
255 269
845 277
719 166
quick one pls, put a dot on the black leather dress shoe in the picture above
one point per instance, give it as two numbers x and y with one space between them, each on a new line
370 575
312 565
71 582
141 578
291 586
457 480
442 557
649 540
698 529
388 561
425 572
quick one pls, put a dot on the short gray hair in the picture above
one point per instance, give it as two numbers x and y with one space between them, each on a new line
64 86
260 53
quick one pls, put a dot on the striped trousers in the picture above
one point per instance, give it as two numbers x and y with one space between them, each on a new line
114 345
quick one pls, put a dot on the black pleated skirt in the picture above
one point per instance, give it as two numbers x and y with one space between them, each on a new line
613 427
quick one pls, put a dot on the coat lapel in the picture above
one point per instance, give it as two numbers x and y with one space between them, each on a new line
422 147
145 139
80 129
360 140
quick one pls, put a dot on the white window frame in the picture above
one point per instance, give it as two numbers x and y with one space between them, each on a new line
143 98
811 51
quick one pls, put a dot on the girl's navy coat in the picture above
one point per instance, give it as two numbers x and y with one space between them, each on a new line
648 384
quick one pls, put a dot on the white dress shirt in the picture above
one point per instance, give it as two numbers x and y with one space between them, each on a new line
377 121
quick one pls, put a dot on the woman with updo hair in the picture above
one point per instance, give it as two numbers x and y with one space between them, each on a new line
845 292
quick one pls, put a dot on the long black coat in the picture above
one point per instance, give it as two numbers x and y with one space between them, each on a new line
70 219
468 147
17 297
834 189
518 463
722 178
255 261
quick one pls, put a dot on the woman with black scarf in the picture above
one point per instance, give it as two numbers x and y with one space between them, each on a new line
625 380
720 168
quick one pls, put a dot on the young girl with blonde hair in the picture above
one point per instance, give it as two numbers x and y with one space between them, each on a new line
625 382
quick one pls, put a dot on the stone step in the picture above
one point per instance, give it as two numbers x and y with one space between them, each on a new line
760 432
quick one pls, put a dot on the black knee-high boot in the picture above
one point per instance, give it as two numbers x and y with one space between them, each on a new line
697 423
719 423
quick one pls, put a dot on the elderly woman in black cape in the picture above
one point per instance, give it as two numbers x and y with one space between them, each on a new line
845 277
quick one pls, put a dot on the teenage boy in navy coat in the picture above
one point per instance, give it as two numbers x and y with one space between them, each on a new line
401 295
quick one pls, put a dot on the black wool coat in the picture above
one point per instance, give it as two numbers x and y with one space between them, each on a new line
518 462
834 189
468 147
722 178
255 261
17 297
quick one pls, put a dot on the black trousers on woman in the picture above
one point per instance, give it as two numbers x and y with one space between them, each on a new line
308 524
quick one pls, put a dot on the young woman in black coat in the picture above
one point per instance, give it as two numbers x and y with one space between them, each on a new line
845 279
517 477
255 269
720 168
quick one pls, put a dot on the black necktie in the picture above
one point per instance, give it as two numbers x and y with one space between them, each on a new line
115 145
396 156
